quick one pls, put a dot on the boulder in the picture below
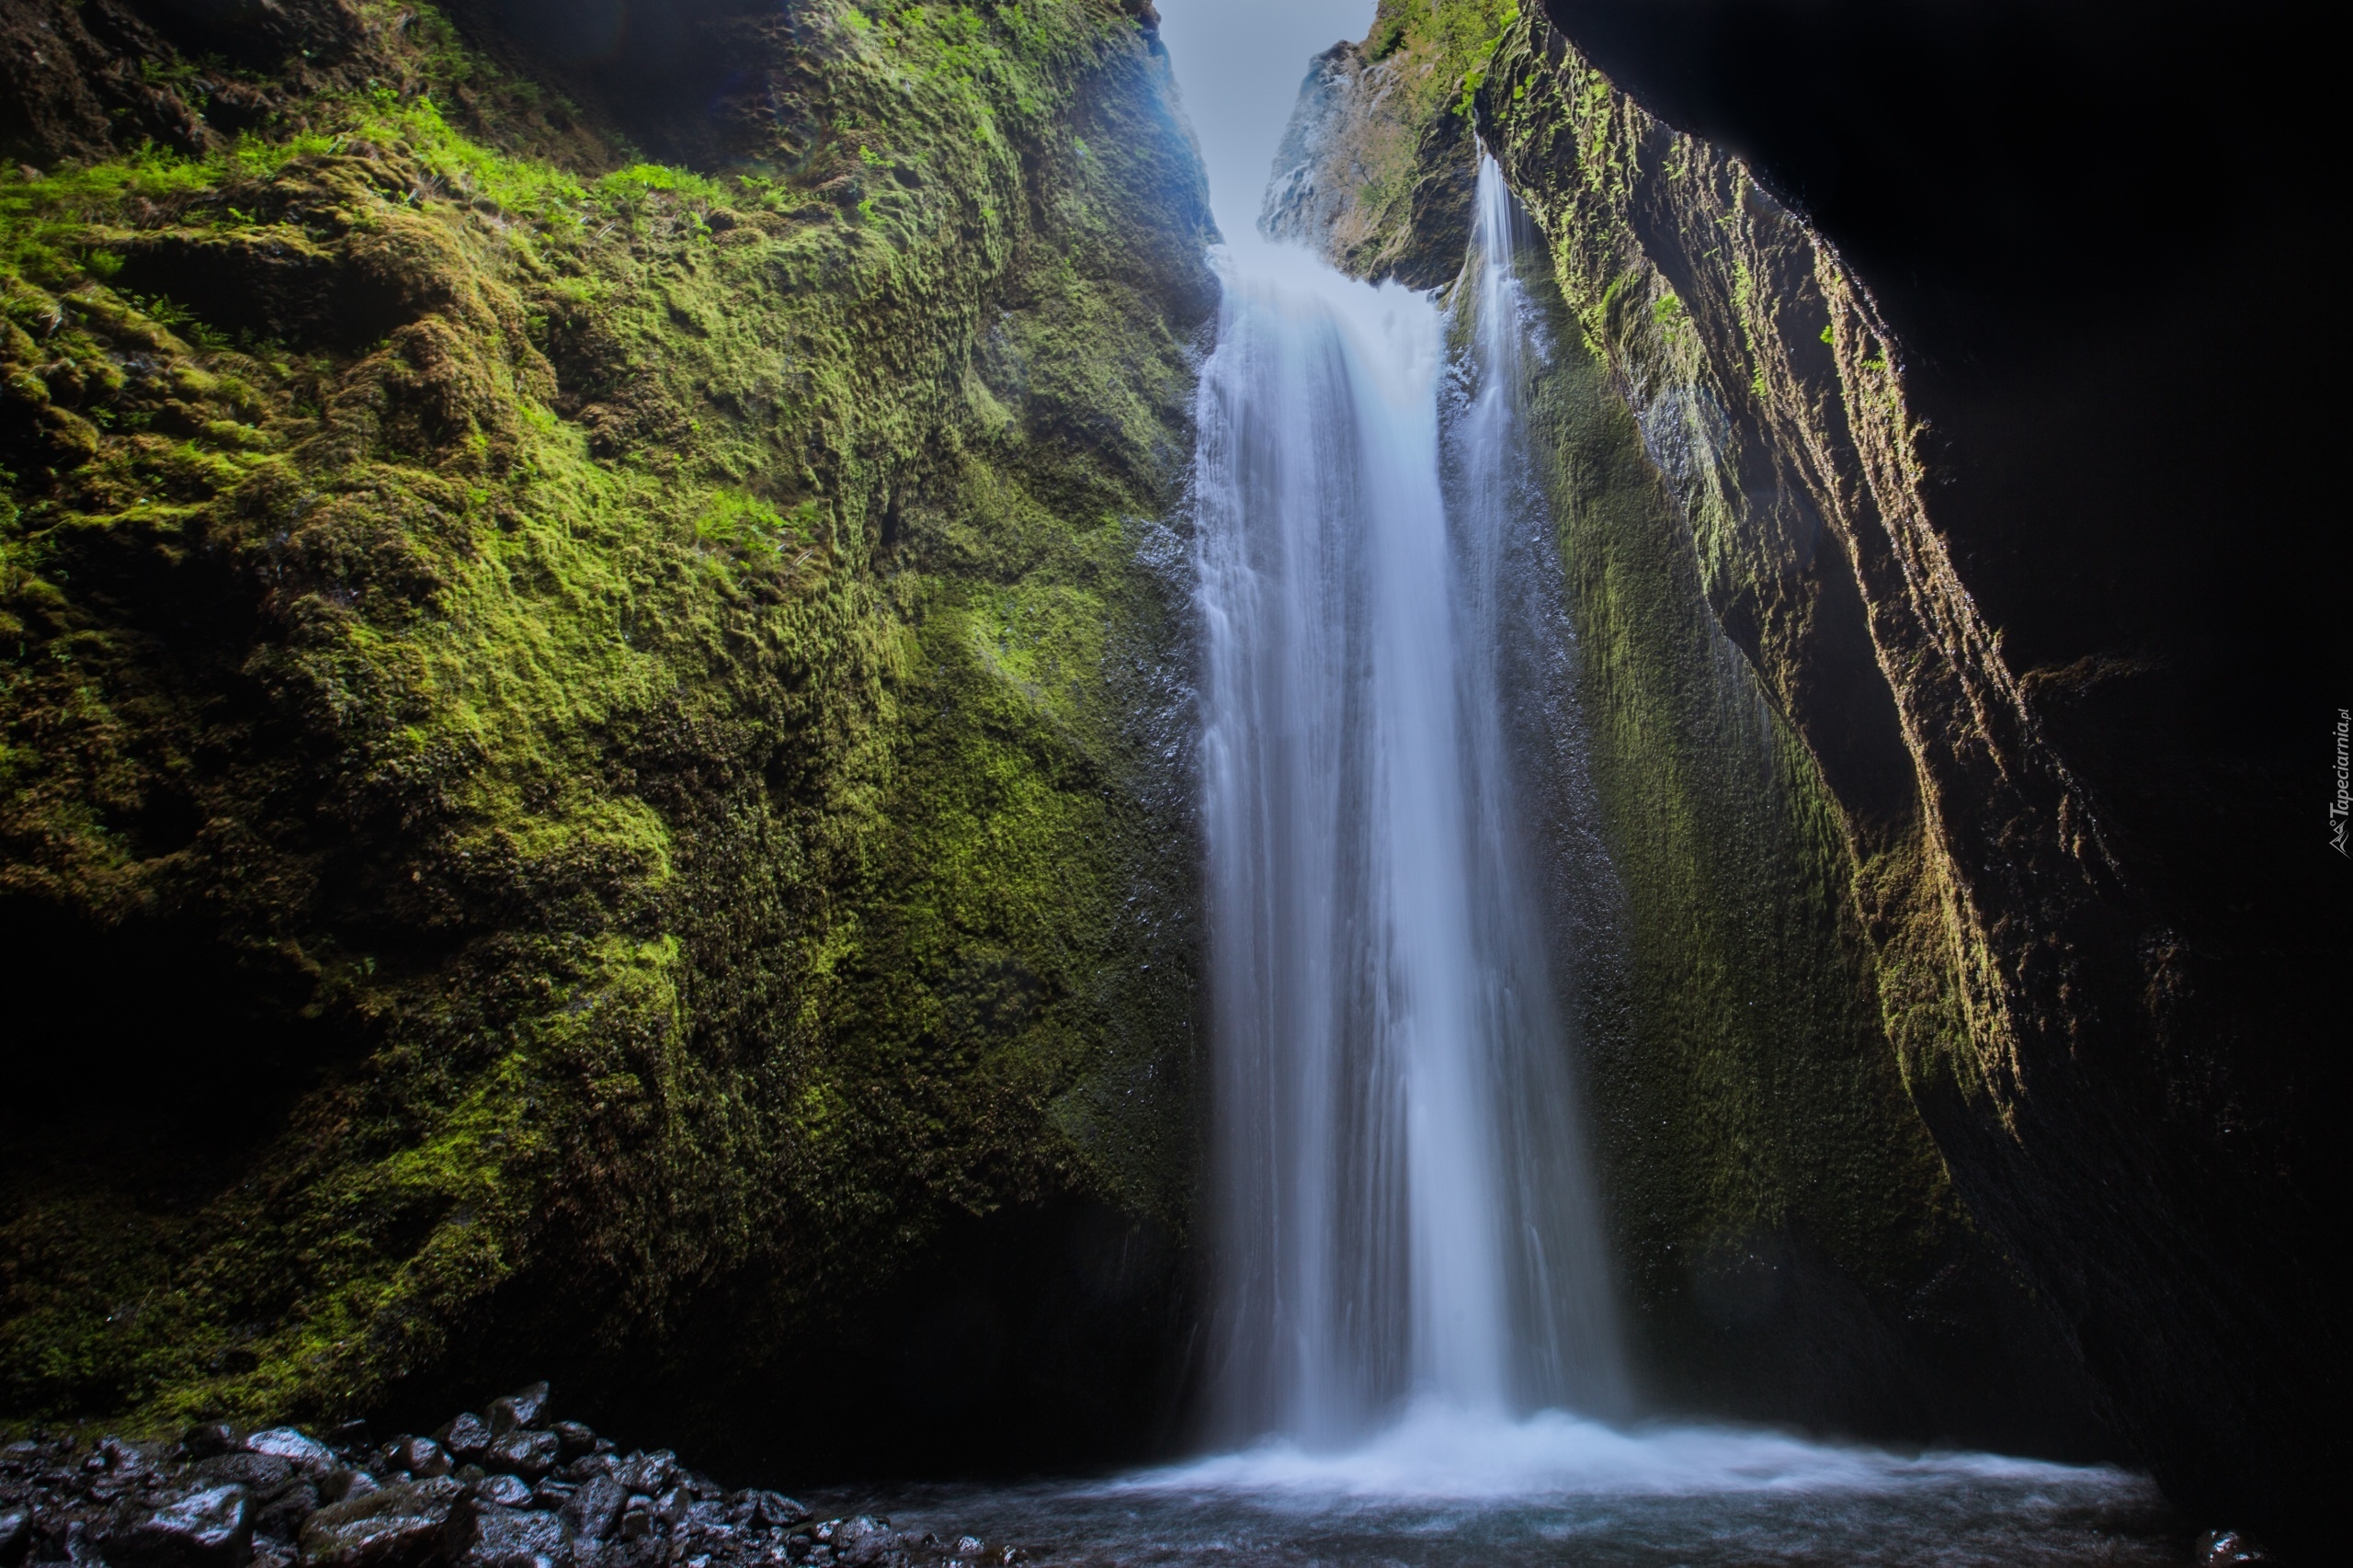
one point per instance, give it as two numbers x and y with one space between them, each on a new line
773 1510
421 1457
399 1527
207 1439
523 1452
303 1452
211 1528
506 1491
264 1475
577 1439
282 1515
527 1408
484 1535
646 1473
466 1436
594 1509
338 1484
863 1541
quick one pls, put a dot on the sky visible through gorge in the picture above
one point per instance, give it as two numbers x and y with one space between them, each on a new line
1239 64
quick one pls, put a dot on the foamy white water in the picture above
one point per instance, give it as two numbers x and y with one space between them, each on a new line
1439 1453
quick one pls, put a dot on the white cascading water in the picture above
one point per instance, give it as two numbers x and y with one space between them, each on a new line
1404 1217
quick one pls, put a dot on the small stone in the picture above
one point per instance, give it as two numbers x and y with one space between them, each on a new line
550 1493
15 1535
281 1517
207 1439
484 1535
671 1507
593 1510
350 1434
264 1475
400 1527
525 1408
421 1457
506 1491
863 1541
466 1436
471 1474
302 1451
647 1473
338 1484
523 1452
587 1465
577 1439
637 1521
773 1510
112 1456
211 1528
970 1546
2217 1548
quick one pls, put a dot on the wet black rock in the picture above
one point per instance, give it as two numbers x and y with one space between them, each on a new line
527 1408
338 1484
399 1527
304 1453
577 1440
773 1510
863 1541
505 1491
207 1439
522 1452
264 1475
282 1516
15 1535
484 1535
466 1436
420 1457
596 1509
645 1474
209 1528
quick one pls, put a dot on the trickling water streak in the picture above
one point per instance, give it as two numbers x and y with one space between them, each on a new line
1402 1207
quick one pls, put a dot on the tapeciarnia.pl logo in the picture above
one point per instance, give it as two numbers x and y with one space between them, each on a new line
2340 807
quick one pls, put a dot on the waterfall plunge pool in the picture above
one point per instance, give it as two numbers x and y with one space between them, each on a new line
1442 1489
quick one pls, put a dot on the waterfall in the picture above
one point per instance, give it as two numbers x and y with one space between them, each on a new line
1403 1212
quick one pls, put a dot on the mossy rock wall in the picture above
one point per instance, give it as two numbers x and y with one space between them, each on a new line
591 776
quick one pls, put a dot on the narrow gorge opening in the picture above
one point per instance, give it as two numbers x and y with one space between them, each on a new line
702 699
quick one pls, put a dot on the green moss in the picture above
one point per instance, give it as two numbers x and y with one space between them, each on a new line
650 719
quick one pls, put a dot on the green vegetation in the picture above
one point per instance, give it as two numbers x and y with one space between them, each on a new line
624 664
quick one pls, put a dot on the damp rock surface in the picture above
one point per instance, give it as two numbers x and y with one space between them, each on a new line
219 1499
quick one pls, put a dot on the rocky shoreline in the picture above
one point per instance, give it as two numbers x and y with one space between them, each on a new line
506 1487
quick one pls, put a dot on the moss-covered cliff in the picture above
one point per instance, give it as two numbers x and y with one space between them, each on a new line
584 737
1861 845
